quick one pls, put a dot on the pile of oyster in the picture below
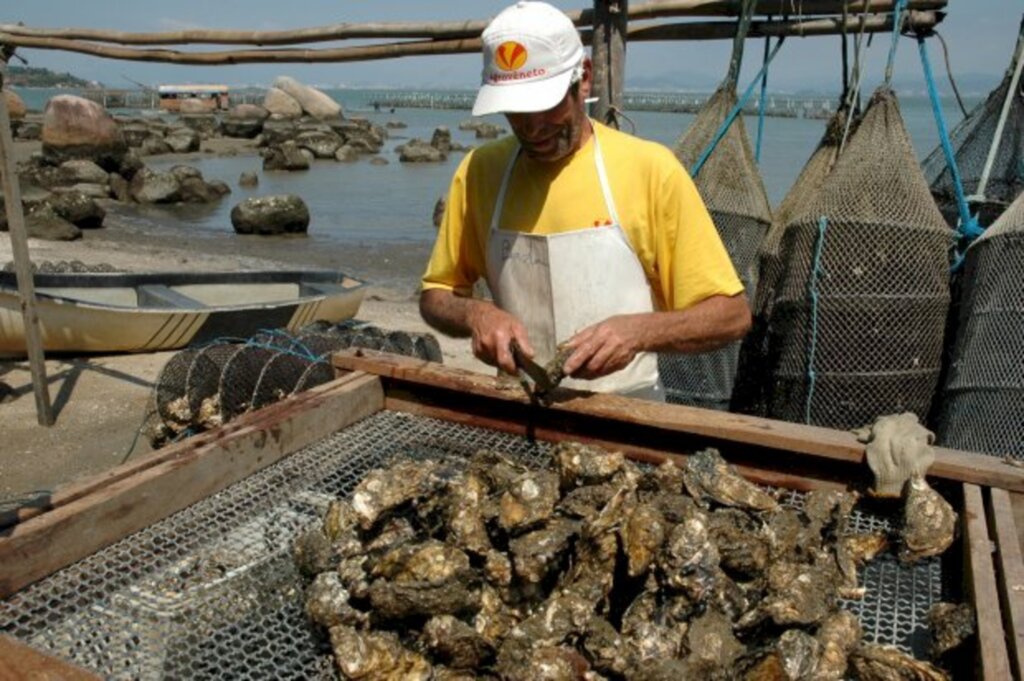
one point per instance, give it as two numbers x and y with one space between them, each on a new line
597 568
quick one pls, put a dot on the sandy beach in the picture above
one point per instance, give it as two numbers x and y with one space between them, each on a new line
102 401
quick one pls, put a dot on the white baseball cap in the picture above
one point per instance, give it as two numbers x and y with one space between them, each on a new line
532 53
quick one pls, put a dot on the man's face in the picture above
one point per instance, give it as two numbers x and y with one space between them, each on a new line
552 135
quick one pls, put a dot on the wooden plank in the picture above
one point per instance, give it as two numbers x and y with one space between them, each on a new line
826 445
78 489
18 662
979 573
37 547
22 264
1010 572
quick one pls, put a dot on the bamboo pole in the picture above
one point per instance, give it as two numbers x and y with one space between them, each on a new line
450 30
684 31
608 52
22 264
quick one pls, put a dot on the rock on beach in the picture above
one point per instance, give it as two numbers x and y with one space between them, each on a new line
75 128
280 104
313 101
277 214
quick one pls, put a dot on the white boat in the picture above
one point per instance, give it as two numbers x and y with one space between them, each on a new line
131 312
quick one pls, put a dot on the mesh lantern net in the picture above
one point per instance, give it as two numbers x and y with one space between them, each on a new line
982 406
731 186
860 309
973 140
752 379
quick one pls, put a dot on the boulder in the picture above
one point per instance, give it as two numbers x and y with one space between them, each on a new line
276 132
219 187
96 191
395 125
308 154
442 139
183 172
360 134
119 188
280 104
280 214
183 140
244 123
29 130
249 111
154 146
322 143
136 134
207 125
346 154
16 108
149 186
248 179
130 164
195 190
285 157
488 131
81 170
38 173
44 223
74 127
418 151
378 161
313 101
193 105
79 209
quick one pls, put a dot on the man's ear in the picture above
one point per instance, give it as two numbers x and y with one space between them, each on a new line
588 78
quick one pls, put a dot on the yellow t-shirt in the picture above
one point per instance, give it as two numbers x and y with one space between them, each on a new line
661 213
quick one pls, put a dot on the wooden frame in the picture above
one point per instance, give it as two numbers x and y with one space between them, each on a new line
85 517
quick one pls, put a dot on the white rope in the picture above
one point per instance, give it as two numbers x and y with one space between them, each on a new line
1011 92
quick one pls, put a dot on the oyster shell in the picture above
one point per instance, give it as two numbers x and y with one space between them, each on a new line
377 655
794 655
606 648
537 554
838 634
585 502
579 464
950 624
313 553
455 643
642 537
495 619
497 568
385 489
327 602
667 477
712 645
872 662
929 522
466 527
496 469
853 551
689 561
340 520
708 476
797 594
529 500
423 579
825 508
741 540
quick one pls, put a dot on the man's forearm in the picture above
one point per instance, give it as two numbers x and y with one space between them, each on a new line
708 325
449 313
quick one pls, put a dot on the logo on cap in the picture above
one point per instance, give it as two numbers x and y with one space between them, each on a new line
510 56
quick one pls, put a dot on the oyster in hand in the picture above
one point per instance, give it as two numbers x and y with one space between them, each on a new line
708 476
873 662
929 522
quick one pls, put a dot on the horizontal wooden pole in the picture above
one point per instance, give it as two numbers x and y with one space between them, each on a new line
36 548
640 33
447 30
822 447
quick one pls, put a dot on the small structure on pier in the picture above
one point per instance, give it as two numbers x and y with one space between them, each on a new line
212 97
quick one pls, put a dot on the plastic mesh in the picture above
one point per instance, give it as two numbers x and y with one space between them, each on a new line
972 139
860 308
982 405
749 394
731 186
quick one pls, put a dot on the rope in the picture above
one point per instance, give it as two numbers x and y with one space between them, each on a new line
724 127
853 95
812 285
897 23
742 28
949 72
761 102
1011 92
968 228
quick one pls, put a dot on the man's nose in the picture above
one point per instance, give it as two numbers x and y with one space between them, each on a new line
527 125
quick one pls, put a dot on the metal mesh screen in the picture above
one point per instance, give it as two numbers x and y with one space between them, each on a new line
749 393
860 308
972 139
731 186
982 406
212 592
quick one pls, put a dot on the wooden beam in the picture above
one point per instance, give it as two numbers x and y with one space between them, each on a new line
19 662
608 54
824 446
918 21
1010 574
992 663
446 30
41 545
22 263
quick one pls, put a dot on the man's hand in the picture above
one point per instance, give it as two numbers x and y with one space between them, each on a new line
606 347
493 330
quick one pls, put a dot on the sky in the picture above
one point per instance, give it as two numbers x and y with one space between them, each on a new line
980 33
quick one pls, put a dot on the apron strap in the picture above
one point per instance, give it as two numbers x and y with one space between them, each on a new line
602 175
499 203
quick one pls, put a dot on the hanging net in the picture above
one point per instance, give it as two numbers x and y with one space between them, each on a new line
202 388
982 407
731 187
749 394
972 139
860 308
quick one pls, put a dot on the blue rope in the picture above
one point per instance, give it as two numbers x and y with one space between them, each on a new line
897 22
812 286
761 105
724 127
968 228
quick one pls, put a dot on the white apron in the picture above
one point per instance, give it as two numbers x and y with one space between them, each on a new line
561 283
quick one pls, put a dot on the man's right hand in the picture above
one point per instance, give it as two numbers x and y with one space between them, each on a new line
493 331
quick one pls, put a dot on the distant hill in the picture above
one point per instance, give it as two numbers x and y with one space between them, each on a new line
28 76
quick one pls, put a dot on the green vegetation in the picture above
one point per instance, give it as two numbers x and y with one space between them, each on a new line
27 76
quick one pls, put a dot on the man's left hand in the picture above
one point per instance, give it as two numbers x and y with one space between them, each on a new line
604 348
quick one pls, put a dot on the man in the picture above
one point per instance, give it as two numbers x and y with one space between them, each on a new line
583 233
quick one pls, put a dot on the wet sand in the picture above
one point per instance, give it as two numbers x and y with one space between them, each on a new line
101 401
